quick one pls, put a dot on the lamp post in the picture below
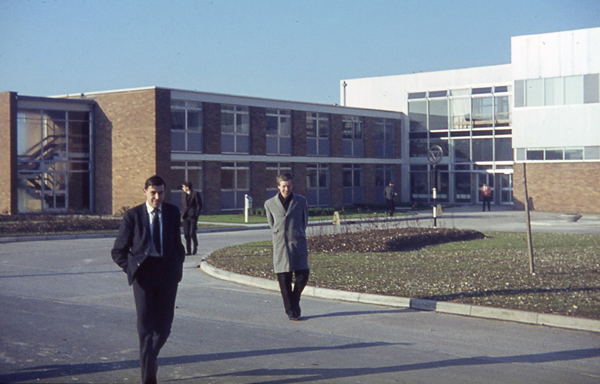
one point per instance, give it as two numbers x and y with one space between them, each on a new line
435 155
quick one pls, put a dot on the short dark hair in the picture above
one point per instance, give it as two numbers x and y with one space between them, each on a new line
154 181
284 177
188 184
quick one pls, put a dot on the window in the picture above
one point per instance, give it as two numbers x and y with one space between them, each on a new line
482 115
235 129
535 154
502 110
551 91
503 149
462 150
534 93
574 90
483 150
185 171
279 132
235 183
438 114
385 139
418 148
186 126
317 184
352 177
352 133
419 184
53 161
274 170
417 115
554 154
460 109
317 134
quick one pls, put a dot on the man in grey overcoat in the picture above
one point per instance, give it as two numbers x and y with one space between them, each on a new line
287 214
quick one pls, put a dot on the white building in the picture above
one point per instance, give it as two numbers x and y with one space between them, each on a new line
542 110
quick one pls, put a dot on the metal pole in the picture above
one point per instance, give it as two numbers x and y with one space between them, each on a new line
528 218
434 208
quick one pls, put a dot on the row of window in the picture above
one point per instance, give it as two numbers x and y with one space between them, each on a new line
187 126
551 91
466 150
471 109
235 181
558 154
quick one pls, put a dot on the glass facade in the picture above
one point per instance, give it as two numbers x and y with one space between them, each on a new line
54 161
473 128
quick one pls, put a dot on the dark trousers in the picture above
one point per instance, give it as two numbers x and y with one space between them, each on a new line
486 200
190 227
390 207
154 294
291 295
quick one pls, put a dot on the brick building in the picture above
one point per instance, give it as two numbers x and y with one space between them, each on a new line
93 152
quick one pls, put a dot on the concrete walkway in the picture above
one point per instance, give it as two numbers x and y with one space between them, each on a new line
503 219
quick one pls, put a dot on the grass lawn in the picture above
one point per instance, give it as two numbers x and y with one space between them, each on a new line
493 271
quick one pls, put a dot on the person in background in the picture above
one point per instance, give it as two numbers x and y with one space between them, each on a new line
389 194
486 196
149 250
287 214
191 206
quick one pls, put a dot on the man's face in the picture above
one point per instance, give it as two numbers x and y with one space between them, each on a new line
185 188
285 188
155 195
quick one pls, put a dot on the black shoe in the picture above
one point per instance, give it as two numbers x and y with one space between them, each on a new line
293 317
195 250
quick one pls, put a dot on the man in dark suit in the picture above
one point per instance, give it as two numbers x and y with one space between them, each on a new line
191 206
149 249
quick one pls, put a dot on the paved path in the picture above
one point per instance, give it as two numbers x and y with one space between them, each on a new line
68 316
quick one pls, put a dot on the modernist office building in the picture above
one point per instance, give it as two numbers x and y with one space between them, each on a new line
93 152
541 112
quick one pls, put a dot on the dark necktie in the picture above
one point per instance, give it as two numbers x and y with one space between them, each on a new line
156 232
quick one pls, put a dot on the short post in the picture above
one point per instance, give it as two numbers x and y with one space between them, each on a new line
434 208
247 206
336 218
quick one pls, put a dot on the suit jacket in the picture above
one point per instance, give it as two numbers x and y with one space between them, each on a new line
191 205
132 246
290 249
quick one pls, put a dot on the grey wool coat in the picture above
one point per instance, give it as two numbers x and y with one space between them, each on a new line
290 250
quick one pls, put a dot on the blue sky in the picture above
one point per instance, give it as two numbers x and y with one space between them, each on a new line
291 50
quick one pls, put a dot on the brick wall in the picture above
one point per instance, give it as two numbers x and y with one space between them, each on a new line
129 127
212 128
8 153
336 187
212 187
336 143
258 131
258 177
298 134
572 187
